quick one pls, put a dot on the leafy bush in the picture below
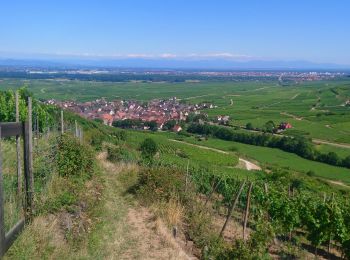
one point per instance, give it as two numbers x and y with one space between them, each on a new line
119 153
148 149
73 158
95 138
158 184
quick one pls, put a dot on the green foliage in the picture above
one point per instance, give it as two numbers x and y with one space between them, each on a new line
269 127
43 113
128 123
120 153
74 158
148 149
298 145
249 126
152 125
169 125
64 199
160 183
95 138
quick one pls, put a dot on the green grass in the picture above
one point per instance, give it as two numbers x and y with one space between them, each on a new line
277 158
181 153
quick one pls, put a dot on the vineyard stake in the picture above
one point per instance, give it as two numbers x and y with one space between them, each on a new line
76 129
212 192
232 208
330 234
188 164
247 212
62 123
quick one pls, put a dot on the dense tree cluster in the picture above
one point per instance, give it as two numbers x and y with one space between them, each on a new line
298 145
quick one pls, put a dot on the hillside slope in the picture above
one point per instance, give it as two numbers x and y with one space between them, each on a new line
117 227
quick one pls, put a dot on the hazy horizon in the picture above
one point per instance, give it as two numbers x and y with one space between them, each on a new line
312 31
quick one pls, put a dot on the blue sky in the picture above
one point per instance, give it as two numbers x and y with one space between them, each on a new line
310 30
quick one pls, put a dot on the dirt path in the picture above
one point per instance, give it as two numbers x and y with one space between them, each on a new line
295 96
188 98
341 145
339 183
130 231
291 115
246 164
200 146
250 166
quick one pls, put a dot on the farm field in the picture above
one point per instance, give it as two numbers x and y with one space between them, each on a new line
315 109
271 157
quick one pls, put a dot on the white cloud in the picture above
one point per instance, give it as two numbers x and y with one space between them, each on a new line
168 55
191 56
223 55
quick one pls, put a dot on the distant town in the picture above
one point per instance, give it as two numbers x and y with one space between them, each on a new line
157 111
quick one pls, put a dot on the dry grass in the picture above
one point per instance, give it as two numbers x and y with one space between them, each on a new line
42 239
172 212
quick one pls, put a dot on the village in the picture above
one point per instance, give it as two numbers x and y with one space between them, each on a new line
157 114
157 111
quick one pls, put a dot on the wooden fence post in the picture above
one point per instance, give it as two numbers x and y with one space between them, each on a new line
18 151
2 224
62 123
28 157
233 205
247 212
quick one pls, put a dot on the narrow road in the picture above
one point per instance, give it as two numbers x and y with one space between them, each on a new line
340 145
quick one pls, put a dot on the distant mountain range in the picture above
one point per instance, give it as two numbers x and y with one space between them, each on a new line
176 63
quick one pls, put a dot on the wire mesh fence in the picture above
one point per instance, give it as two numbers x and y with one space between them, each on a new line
14 184
13 198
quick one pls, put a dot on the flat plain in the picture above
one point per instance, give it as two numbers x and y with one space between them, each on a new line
315 109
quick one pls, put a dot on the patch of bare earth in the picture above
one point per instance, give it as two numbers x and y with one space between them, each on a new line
154 240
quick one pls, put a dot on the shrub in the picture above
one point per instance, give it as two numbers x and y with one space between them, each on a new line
160 184
148 149
73 158
311 173
118 153
95 139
